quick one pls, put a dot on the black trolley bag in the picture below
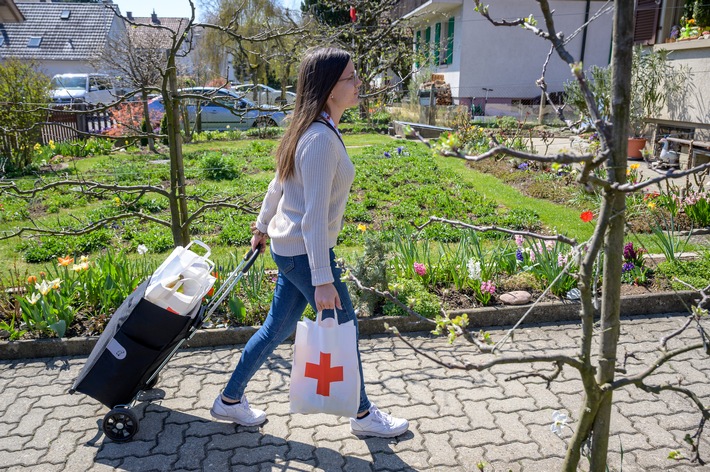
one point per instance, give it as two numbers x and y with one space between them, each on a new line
136 344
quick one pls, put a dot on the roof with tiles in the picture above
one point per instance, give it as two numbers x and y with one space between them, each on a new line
58 31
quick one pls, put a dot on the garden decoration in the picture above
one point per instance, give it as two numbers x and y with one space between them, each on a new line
599 378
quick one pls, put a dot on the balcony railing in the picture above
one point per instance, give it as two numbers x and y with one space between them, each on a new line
404 7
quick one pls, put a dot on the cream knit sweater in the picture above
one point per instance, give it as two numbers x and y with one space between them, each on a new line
304 214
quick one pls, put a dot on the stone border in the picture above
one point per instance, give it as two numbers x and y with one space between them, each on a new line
548 312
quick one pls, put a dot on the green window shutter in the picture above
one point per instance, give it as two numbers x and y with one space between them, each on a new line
417 48
437 43
427 40
450 42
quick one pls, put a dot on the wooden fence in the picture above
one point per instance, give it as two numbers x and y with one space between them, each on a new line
75 122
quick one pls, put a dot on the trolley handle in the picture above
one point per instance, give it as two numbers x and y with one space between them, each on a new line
250 258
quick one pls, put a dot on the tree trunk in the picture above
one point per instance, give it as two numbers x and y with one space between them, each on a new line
178 200
615 205
146 117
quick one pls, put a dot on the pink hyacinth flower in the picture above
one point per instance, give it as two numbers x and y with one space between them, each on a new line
519 240
420 269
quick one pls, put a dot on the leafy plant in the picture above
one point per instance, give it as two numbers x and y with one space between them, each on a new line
217 166
415 295
697 206
371 270
548 262
663 231
27 91
46 308
14 333
653 82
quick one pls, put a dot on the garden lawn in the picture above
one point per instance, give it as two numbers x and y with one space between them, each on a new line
557 218
397 183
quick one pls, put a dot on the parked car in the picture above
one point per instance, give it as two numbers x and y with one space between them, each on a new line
264 94
224 109
83 88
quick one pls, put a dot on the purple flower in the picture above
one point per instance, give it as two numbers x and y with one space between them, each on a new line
627 267
523 166
519 254
399 150
629 252
387 155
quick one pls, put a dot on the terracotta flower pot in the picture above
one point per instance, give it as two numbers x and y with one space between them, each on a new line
634 148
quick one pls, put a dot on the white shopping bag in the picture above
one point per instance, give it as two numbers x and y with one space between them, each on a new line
325 377
182 280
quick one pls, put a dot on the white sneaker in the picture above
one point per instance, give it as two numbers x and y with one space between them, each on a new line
378 424
240 413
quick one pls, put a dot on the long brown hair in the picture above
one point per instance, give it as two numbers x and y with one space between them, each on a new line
318 74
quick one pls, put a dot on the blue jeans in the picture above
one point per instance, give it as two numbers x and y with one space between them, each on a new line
293 291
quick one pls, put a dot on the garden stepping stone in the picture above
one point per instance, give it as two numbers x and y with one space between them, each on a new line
516 297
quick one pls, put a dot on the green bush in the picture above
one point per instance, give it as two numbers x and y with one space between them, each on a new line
47 248
24 92
415 296
217 166
695 273
164 129
265 132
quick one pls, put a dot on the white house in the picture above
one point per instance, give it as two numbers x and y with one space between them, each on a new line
495 68
689 117
60 37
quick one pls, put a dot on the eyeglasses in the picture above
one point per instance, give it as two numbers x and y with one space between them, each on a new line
352 77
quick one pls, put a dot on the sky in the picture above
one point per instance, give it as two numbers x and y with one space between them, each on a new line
173 8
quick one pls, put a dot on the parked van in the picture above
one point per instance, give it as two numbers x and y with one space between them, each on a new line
83 88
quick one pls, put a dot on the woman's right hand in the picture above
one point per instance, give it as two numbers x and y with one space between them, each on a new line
327 297
258 242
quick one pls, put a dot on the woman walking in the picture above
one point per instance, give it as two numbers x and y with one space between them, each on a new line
302 213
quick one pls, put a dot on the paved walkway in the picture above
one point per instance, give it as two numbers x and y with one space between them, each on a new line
457 418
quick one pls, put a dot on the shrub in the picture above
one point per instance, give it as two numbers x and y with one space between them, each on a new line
414 295
26 91
371 270
217 166
46 248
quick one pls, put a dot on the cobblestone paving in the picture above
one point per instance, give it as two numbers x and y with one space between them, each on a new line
457 418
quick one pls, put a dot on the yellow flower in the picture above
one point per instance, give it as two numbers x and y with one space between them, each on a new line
51 144
651 205
117 201
34 298
38 146
635 166
362 227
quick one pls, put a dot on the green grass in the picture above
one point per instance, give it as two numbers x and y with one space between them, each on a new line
554 217
389 193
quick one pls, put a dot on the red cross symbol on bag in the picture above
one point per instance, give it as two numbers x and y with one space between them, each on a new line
324 373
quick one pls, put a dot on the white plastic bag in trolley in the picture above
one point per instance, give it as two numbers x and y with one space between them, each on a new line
182 280
325 377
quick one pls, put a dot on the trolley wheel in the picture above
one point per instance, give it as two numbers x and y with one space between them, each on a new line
120 424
